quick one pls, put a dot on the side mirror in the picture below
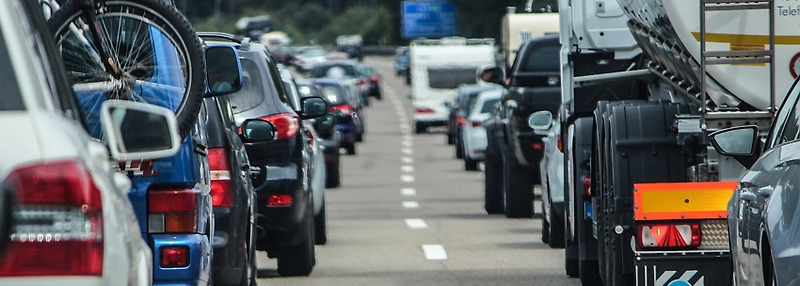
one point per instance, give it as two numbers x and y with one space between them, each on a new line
223 71
325 122
137 130
739 142
314 106
6 216
540 121
258 130
493 74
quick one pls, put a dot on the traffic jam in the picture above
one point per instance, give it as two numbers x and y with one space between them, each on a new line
629 142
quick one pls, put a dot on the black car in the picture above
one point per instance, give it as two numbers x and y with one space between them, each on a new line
374 81
329 135
233 198
285 219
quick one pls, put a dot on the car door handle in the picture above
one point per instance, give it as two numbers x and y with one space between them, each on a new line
747 196
765 191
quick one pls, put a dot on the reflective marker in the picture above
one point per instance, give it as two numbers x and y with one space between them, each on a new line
434 251
408 192
407 178
410 205
415 223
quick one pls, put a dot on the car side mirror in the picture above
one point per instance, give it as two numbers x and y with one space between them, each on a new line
314 106
740 142
223 71
6 216
540 122
135 130
325 122
493 74
258 130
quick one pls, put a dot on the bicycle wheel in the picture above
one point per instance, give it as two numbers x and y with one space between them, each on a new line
153 55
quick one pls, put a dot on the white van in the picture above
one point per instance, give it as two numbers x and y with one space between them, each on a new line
438 67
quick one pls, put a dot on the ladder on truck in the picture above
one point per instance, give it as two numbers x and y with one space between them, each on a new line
730 57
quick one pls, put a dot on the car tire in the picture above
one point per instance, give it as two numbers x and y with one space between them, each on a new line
459 151
493 186
470 164
545 227
321 227
351 149
298 260
517 190
450 139
589 273
556 232
249 277
420 128
333 174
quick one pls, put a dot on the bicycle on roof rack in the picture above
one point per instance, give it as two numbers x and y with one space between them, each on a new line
135 50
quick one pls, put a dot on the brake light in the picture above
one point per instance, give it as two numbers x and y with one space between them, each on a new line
221 187
373 78
174 256
477 124
280 200
536 146
286 124
559 143
587 187
172 211
669 235
344 108
423 110
460 121
59 221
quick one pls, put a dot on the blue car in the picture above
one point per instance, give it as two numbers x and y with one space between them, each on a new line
347 109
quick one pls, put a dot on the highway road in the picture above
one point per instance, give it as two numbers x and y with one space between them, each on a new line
408 213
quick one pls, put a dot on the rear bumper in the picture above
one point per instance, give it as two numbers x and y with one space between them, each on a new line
198 270
687 266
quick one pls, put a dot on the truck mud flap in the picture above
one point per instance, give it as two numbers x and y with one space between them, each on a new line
695 268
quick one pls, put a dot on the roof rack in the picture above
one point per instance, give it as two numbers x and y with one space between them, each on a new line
243 41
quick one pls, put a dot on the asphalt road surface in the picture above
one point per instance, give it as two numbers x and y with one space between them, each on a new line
408 213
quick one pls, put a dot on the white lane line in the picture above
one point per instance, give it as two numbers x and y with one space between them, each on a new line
407 143
415 223
410 205
407 160
407 151
434 251
408 192
407 178
405 126
407 168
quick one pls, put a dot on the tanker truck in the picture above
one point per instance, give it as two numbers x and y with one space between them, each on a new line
643 84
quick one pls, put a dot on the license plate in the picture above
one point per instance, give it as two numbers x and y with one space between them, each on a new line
587 211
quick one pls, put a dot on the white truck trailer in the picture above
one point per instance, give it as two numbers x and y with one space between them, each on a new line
438 68
647 195
517 28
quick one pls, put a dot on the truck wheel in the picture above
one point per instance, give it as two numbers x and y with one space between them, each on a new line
590 276
298 260
419 128
493 185
470 164
556 232
572 268
517 190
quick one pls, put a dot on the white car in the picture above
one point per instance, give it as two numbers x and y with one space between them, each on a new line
73 222
473 135
306 60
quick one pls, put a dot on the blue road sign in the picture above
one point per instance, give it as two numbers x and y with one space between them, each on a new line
428 19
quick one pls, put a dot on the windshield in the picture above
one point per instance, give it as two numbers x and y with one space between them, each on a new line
450 77
334 94
11 99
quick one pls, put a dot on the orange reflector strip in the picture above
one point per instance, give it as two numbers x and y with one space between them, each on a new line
670 201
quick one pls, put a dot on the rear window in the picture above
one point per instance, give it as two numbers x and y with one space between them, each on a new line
334 71
541 58
488 105
334 94
450 77
11 99
252 92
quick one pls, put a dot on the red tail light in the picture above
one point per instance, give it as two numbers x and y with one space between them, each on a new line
587 187
174 256
286 124
344 108
59 222
221 187
537 146
423 110
280 200
476 123
374 78
172 211
669 235
559 143
460 121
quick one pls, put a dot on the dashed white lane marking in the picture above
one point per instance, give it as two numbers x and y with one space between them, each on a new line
434 251
407 143
407 151
416 223
405 126
408 192
410 205
407 178
407 160
407 168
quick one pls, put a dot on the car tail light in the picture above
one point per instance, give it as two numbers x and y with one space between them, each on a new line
460 121
59 221
344 108
286 124
587 187
537 146
280 200
374 78
172 211
476 123
559 143
174 256
221 187
423 110
669 235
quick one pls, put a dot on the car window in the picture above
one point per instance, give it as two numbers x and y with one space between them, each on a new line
252 92
787 120
451 77
541 58
327 71
791 125
488 105
11 99
334 94
276 79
